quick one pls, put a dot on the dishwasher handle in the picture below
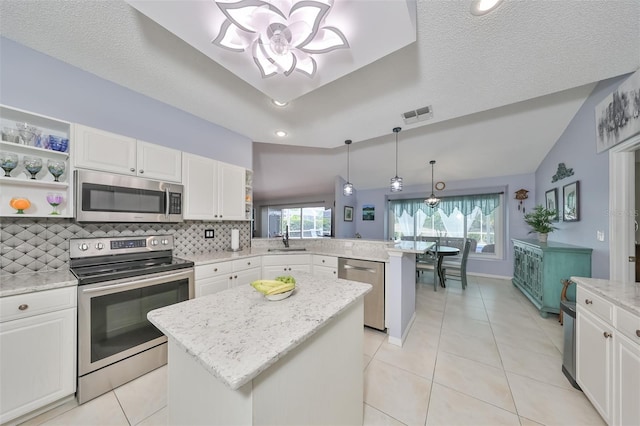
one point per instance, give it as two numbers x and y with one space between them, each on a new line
360 268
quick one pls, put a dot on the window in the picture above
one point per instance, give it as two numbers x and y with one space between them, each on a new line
475 217
303 222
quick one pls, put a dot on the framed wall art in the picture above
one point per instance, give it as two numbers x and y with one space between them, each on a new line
348 214
551 198
571 202
368 212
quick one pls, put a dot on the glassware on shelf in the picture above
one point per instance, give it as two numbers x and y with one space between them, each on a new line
20 204
8 162
33 165
56 168
58 143
54 201
10 135
27 133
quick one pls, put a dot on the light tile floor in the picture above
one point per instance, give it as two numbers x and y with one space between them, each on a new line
482 356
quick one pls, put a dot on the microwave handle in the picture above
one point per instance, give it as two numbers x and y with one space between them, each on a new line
167 200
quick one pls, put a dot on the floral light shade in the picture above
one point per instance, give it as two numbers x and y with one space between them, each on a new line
282 35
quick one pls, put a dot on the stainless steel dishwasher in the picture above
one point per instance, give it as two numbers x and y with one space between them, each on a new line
369 272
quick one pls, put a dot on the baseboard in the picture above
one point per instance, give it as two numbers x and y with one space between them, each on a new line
500 277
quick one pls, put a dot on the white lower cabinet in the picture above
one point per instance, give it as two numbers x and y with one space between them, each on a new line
37 350
220 276
285 264
326 266
608 358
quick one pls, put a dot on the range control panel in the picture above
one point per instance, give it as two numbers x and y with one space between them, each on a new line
104 246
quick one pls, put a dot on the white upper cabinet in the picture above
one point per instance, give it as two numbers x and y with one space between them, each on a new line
213 190
200 192
159 162
100 150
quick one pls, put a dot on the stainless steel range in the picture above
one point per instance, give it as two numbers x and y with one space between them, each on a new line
119 281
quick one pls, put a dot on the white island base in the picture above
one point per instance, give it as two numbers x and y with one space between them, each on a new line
318 382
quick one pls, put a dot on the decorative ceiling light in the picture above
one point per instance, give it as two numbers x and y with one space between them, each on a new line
281 34
347 188
279 103
482 7
432 201
396 182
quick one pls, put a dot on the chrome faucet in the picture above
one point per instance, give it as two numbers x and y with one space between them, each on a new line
285 237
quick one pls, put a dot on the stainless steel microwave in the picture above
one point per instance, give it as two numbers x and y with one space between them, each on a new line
108 197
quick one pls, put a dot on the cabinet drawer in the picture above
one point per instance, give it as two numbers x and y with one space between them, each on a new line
213 269
321 260
628 324
36 303
249 262
595 304
286 259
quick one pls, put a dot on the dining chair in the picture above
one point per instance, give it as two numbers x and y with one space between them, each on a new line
457 269
428 261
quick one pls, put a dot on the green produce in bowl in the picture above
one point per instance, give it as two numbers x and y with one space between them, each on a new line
286 279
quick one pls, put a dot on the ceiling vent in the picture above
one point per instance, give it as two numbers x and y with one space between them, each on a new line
416 115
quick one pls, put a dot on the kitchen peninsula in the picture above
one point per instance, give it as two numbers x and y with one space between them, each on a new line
237 358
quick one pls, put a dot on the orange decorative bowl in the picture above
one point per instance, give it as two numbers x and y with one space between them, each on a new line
20 204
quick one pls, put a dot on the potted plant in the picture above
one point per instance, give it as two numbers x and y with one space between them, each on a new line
541 220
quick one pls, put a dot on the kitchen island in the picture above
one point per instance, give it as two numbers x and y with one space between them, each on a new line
237 358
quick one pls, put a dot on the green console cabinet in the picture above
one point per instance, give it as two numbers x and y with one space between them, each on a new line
539 268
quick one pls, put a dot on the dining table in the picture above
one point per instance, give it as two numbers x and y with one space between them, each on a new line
443 251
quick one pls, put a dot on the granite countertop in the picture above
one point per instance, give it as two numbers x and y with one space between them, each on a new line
625 295
14 284
236 334
223 256
417 247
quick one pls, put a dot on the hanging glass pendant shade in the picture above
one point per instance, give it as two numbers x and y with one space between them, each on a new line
347 188
396 181
432 201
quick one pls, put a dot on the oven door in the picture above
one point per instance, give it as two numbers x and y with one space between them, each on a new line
112 316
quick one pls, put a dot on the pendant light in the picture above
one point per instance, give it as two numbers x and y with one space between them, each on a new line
432 201
396 182
347 189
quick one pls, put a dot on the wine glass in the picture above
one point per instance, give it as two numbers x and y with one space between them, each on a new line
54 201
33 165
8 162
27 133
56 168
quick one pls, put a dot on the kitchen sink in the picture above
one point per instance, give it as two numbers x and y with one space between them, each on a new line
287 249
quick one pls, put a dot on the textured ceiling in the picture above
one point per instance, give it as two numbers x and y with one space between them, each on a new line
486 77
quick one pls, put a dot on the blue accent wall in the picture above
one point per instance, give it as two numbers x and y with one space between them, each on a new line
38 83
577 149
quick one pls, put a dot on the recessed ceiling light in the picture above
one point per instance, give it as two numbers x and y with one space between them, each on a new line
279 103
482 7
281 133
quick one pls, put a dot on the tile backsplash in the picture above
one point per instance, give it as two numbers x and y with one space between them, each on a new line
34 244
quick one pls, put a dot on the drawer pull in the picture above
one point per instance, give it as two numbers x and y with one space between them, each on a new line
23 307
215 270
249 263
322 260
607 334
588 302
638 333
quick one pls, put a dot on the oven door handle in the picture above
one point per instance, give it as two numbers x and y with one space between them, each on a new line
132 283
167 199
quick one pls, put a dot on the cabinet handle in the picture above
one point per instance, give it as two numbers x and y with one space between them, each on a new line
23 307
334 272
322 260
141 171
588 302
249 263
235 276
607 334
215 270
638 333
132 169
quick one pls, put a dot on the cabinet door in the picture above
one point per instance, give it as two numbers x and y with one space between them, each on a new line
99 150
213 285
37 362
325 271
246 277
200 194
594 358
270 272
231 191
298 268
626 381
159 162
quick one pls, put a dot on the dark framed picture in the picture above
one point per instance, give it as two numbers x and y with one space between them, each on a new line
368 212
551 198
571 202
348 214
